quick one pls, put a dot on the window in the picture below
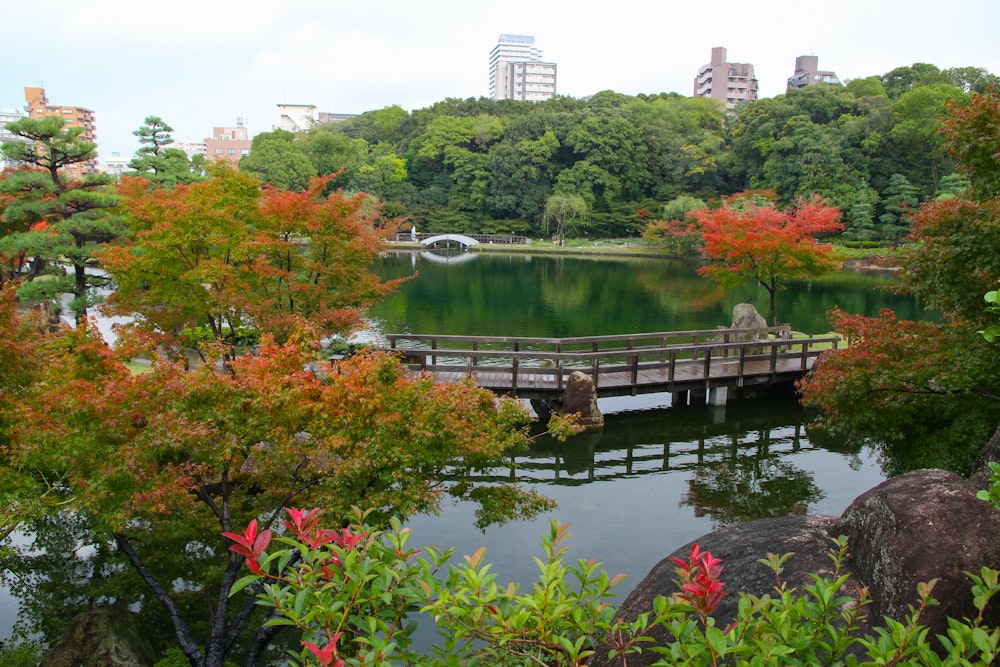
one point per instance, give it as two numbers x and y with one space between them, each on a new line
232 151
218 151
244 151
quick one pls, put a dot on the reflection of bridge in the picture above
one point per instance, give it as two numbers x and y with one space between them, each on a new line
691 365
432 239
587 461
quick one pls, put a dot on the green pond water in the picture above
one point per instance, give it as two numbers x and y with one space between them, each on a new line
656 477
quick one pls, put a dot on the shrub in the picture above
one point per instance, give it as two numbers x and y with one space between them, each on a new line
351 592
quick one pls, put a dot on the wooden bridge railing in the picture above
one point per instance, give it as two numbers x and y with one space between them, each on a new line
666 352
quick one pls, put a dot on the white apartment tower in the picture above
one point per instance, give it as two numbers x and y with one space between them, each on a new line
518 72
730 83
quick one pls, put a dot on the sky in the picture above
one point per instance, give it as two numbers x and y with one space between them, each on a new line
199 64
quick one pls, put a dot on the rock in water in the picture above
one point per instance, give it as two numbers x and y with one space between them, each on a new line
580 399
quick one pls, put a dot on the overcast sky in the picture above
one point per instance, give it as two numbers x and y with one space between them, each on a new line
202 63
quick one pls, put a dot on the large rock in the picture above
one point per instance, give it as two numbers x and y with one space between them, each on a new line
739 546
981 472
920 526
580 398
745 316
106 637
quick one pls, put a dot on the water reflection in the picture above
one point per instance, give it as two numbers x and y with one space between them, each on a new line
454 257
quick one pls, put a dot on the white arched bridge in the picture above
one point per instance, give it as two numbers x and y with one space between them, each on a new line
431 239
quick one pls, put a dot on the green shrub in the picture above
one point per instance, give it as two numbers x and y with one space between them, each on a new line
22 655
352 592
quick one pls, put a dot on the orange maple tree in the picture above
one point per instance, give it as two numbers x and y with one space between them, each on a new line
231 256
748 239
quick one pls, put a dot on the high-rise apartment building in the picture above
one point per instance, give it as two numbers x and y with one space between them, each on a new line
807 72
228 143
518 72
730 83
38 107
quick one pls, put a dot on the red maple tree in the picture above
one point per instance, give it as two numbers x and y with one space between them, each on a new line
747 239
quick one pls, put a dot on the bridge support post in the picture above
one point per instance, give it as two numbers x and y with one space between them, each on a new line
717 396
678 399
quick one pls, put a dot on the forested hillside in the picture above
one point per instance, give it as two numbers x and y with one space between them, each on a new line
870 147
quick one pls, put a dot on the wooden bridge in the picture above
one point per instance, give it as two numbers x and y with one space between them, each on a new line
691 365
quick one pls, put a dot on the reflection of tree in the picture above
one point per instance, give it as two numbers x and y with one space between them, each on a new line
746 488
56 570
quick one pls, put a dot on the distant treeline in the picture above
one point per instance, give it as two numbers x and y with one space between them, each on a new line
871 147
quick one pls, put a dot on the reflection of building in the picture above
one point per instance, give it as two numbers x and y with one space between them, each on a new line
9 115
730 83
38 107
228 143
517 71
807 72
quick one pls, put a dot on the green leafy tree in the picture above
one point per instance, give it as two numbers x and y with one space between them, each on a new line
52 218
276 159
899 201
614 146
156 160
914 145
861 216
563 210
904 79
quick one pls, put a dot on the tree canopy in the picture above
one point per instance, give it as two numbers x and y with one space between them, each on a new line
747 240
929 391
474 165
226 255
48 220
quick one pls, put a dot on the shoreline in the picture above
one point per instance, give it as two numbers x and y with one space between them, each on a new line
860 262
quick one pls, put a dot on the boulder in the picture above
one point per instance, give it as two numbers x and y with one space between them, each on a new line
745 316
580 398
910 529
924 525
739 546
981 473
105 637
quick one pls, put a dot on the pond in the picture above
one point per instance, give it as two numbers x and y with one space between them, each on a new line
656 477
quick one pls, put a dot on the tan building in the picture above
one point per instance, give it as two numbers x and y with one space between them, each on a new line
807 72
228 143
38 106
730 83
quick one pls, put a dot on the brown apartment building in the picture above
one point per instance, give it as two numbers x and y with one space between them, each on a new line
38 106
730 83
228 143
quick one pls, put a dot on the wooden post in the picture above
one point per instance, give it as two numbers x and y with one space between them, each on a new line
513 380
